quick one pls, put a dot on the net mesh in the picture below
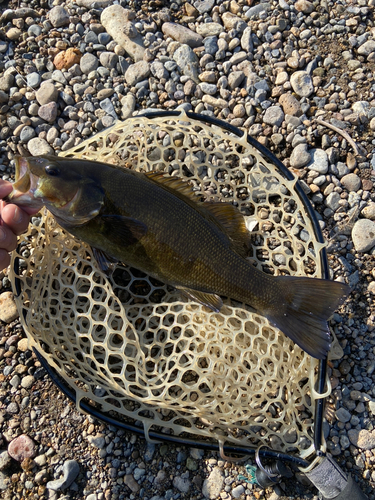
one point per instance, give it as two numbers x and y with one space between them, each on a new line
134 347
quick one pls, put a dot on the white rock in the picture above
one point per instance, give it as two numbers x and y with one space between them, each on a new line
363 235
114 18
301 83
213 484
38 147
319 161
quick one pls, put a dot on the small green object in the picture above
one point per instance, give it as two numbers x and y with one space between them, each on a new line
251 478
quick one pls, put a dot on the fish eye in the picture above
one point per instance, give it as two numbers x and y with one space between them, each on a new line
52 170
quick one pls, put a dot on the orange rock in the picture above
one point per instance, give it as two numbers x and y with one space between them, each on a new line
67 58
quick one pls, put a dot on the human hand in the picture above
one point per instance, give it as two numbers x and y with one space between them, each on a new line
13 221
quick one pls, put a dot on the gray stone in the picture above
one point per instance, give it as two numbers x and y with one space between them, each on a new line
88 63
235 78
108 59
58 16
46 93
361 107
319 161
187 61
351 182
58 76
158 70
70 472
363 235
128 106
333 201
208 88
33 80
5 460
6 82
343 415
97 441
246 40
182 34
27 133
213 485
369 211
209 29
300 156
367 48
238 491
210 45
48 112
203 6
182 484
137 72
362 439
39 147
27 381
301 83
274 115
257 9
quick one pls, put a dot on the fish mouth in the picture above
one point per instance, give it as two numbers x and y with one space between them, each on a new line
25 186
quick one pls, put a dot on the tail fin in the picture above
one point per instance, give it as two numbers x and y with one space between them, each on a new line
304 308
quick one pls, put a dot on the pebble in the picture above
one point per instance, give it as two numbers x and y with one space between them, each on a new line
46 93
343 415
70 472
182 34
8 308
209 29
58 16
351 182
362 439
48 112
301 83
22 447
187 61
319 161
137 72
88 63
274 115
213 484
39 147
363 235
300 156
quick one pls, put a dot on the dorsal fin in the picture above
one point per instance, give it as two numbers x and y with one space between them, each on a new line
232 222
175 183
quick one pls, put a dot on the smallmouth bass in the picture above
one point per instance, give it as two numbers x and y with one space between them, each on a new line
155 223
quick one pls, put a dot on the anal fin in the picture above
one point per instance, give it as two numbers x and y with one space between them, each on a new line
210 300
105 261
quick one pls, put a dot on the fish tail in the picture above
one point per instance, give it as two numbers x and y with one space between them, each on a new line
303 310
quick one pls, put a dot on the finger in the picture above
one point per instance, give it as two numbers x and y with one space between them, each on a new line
4 259
15 218
5 188
8 240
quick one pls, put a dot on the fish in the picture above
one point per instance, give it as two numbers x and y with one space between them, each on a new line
157 224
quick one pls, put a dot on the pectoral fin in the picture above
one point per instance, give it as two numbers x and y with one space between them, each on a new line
105 261
123 230
210 300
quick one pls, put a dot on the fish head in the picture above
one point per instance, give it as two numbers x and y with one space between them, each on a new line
70 194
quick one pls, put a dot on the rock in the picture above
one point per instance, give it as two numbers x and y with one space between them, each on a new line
137 72
291 105
182 484
274 115
363 235
97 441
254 11
203 6
8 308
27 133
128 106
235 78
131 483
6 82
369 211
108 59
301 83
319 161
210 45
14 34
158 70
351 182
3 97
246 40
114 18
343 415
39 147
27 381
304 6
367 48
48 112
108 107
33 80
209 29
213 485
22 345
333 201
88 63
182 34
300 156
70 472
362 439
94 4
67 58
47 93
58 16
233 22
187 62
5 460
208 88
238 491
22 447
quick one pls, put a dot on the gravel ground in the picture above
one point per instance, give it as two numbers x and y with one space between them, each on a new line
299 76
